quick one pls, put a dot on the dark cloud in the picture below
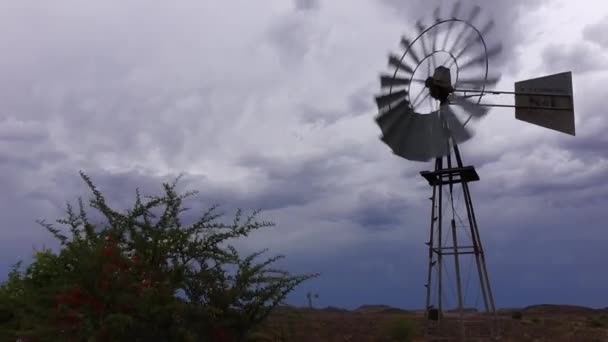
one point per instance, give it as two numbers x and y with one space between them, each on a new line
360 103
295 34
596 32
579 58
135 100
307 5
377 211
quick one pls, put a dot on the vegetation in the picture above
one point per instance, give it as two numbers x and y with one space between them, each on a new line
401 329
518 315
143 276
599 321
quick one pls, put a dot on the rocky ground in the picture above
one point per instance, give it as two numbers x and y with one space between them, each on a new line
381 323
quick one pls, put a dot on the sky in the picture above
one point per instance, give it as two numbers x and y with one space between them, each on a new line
270 105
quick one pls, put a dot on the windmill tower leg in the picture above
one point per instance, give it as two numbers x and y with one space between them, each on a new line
456 240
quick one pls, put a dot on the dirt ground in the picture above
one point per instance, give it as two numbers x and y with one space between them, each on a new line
553 323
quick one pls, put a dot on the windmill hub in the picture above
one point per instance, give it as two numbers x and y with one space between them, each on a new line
440 84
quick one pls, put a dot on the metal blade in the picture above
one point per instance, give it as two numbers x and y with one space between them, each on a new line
453 15
394 134
475 83
474 36
481 59
472 16
438 138
388 119
458 131
387 81
455 10
474 13
421 28
407 45
489 26
475 110
396 62
435 34
386 99
412 144
424 139
436 15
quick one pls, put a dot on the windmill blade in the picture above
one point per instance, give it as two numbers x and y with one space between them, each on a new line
472 108
455 10
476 83
474 35
438 138
421 28
388 81
412 142
488 27
472 16
398 127
409 48
436 15
474 13
458 131
437 19
435 34
453 15
423 139
397 63
386 99
388 119
481 59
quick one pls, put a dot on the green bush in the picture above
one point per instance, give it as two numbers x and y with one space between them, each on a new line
401 329
518 315
599 322
119 280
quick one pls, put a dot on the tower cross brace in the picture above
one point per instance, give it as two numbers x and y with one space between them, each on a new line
448 175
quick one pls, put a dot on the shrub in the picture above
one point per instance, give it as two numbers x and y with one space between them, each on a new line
119 281
518 315
401 329
599 322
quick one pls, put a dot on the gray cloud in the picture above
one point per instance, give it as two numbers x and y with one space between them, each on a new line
579 58
307 5
271 107
596 32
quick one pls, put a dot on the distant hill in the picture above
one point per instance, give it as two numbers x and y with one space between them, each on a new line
556 308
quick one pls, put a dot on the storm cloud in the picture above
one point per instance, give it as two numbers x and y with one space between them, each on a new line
269 105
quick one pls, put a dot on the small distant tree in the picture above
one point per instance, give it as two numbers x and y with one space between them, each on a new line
142 275
517 315
310 296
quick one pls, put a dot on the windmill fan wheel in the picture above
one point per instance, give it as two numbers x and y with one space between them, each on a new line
420 114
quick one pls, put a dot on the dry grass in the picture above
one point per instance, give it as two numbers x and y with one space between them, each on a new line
381 323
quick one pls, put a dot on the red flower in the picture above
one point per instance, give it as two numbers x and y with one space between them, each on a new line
75 293
108 251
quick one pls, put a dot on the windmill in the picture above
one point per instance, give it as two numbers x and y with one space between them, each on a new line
429 100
